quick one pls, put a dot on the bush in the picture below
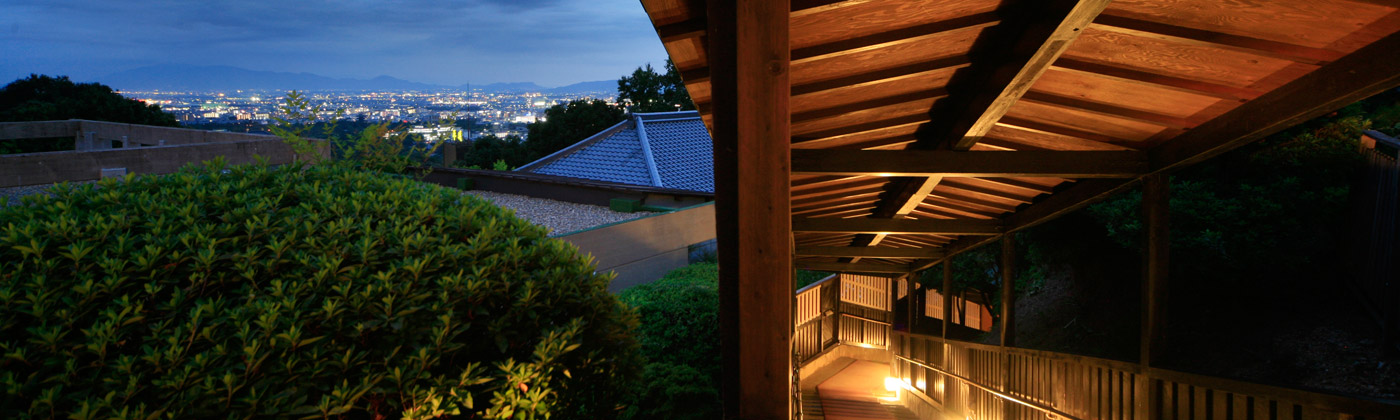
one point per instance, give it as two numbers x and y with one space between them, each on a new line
680 339
297 291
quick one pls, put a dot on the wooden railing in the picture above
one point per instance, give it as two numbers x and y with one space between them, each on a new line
978 381
1377 234
841 309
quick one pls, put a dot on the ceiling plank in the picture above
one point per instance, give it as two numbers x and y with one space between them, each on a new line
896 226
902 35
842 109
853 267
1128 75
868 252
883 75
1127 25
947 163
1109 110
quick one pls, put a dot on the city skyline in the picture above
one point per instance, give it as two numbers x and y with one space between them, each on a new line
549 42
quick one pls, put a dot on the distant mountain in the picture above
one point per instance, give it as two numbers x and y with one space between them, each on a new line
205 78
214 78
587 87
512 87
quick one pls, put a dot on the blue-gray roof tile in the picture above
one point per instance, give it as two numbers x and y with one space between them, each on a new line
680 147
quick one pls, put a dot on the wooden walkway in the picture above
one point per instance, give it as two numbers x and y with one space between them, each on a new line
857 393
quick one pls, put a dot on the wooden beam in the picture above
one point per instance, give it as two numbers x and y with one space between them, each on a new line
928 163
947 292
806 7
994 87
835 133
868 252
989 106
693 28
748 54
853 267
916 33
695 75
895 226
1055 130
1124 23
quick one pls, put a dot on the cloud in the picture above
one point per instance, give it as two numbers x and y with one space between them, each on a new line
551 42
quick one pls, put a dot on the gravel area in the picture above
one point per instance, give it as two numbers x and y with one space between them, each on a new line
11 195
560 217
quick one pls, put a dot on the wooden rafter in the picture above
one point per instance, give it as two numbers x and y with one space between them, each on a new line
976 22
853 267
895 226
868 252
946 163
1124 24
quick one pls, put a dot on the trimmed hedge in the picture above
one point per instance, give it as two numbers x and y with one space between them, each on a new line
680 339
252 291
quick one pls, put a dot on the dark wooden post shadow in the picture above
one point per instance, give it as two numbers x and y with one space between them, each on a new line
1156 250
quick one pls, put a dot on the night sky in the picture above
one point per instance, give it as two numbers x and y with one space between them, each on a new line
550 42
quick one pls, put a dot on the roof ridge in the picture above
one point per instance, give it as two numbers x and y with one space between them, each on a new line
646 151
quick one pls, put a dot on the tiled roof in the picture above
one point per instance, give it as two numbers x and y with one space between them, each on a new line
663 149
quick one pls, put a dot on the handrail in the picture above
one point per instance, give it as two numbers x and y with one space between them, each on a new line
865 319
1003 395
814 284
1319 400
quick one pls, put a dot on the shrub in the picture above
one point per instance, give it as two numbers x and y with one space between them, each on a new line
252 291
680 339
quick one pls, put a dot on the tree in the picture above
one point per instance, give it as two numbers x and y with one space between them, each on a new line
42 98
647 91
566 124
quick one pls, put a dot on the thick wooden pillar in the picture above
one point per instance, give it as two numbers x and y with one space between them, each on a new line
1008 290
748 61
1156 246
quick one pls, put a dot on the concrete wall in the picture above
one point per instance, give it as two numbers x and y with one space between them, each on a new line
148 150
643 250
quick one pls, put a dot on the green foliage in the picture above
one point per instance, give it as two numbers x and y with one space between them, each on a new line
500 165
485 151
647 91
680 340
298 292
566 124
44 98
805 278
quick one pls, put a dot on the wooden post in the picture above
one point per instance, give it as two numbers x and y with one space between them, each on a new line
749 55
947 296
1008 317
1157 244
1008 290
913 315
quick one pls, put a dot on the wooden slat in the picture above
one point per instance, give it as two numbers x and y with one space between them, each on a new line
1108 110
1159 80
869 252
901 35
936 226
926 163
882 75
1167 32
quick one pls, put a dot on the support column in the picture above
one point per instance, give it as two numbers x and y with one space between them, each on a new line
1156 197
1008 317
947 295
1008 290
913 311
748 60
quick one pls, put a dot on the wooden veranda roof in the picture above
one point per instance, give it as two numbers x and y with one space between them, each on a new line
923 128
